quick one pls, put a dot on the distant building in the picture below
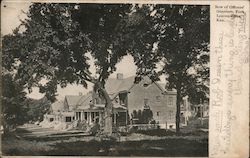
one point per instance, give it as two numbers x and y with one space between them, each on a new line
201 110
186 111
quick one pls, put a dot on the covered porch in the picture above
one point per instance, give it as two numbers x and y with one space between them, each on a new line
95 114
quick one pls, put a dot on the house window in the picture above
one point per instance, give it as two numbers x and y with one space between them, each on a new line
146 101
170 101
68 119
171 114
96 114
158 113
51 119
123 98
158 98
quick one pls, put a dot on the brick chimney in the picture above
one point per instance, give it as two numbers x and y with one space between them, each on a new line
119 76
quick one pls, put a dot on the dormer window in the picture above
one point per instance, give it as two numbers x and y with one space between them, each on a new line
158 98
116 100
146 83
146 101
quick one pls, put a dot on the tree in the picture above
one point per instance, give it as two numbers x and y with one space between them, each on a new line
55 44
55 41
13 103
37 108
142 116
140 35
177 37
184 44
147 116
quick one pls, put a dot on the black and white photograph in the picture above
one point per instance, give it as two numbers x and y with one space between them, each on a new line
105 79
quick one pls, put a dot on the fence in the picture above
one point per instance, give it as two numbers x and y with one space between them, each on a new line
138 127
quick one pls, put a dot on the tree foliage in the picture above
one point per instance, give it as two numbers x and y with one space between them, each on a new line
144 116
13 103
37 108
57 40
179 41
184 46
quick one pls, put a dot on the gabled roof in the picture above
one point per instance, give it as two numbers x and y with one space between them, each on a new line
72 99
68 114
85 98
163 87
57 106
114 85
84 102
77 99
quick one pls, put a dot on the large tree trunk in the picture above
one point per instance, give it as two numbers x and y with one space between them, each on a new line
108 111
178 110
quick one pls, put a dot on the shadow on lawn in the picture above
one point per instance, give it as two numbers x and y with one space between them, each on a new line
166 147
187 144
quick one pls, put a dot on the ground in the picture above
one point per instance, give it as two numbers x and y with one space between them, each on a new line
34 141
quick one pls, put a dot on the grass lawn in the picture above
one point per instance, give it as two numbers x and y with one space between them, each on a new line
87 146
165 147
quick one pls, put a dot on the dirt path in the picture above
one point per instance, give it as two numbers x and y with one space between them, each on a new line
31 130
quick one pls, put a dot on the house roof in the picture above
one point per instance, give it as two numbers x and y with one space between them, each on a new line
114 85
77 99
163 87
118 106
68 114
57 106
72 99
85 100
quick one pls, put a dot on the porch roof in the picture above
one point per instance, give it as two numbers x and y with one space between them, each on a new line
68 114
99 107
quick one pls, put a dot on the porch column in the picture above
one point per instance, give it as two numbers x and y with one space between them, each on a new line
126 118
82 115
114 118
90 120
88 117
100 117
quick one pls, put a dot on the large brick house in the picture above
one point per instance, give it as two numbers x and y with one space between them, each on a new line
127 97
144 94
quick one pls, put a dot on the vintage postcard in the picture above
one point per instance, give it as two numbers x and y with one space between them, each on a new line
125 78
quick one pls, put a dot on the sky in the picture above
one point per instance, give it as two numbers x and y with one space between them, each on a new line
12 12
